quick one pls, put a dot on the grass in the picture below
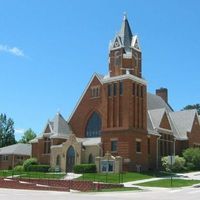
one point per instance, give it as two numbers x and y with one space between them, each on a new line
41 175
167 183
118 178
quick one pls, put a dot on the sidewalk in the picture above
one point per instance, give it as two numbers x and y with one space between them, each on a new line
71 176
190 175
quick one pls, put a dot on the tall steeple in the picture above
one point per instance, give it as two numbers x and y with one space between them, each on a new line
125 53
125 34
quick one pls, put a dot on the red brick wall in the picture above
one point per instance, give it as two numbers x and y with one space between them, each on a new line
86 107
134 63
127 147
38 152
56 185
11 162
194 135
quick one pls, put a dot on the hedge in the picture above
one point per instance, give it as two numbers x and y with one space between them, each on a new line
28 162
38 168
85 168
19 168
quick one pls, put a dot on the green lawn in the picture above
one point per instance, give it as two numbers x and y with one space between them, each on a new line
5 173
167 183
115 177
41 175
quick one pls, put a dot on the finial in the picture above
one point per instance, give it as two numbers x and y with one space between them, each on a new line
58 111
125 16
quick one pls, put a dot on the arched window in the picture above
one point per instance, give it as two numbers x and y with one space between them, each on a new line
90 159
58 160
70 159
93 128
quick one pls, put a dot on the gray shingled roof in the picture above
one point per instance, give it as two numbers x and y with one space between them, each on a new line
183 121
59 128
156 102
156 116
89 141
125 34
16 149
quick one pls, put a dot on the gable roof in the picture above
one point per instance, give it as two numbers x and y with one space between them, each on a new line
156 116
58 127
99 77
183 121
16 149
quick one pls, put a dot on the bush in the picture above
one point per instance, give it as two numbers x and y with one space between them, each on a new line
38 168
19 168
28 162
85 168
190 166
178 166
192 157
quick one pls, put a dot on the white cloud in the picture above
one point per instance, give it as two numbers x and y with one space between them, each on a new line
12 50
19 131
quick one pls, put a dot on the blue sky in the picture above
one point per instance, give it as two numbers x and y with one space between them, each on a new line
49 50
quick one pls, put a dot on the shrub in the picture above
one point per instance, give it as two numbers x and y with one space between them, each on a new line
192 157
38 168
190 166
85 168
179 164
19 168
28 162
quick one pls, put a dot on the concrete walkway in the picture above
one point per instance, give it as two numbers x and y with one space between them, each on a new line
71 176
187 176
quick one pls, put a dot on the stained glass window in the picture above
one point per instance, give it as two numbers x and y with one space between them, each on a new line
93 128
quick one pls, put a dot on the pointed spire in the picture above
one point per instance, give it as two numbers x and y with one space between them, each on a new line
125 33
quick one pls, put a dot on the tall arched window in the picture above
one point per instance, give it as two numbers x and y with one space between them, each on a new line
90 159
93 128
58 160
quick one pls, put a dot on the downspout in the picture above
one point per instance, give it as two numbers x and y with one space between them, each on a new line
13 161
174 153
157 154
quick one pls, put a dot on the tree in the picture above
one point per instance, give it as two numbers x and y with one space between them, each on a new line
7 136
194 106
28 135
192 157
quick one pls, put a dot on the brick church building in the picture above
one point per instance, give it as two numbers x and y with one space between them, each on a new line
116 117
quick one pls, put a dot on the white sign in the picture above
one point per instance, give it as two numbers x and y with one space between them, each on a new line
171 160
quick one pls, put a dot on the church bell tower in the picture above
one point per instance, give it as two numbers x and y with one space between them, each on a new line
125 52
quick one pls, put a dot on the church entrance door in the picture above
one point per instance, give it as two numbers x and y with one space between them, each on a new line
70 159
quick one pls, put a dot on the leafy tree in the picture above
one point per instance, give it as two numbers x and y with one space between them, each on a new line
28 135
194 106
192 157
7 136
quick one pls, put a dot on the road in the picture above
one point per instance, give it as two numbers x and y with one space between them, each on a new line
156 194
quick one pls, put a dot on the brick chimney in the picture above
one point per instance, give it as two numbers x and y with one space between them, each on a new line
163 93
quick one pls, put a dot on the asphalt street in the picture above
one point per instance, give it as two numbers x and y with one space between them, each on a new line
159 194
